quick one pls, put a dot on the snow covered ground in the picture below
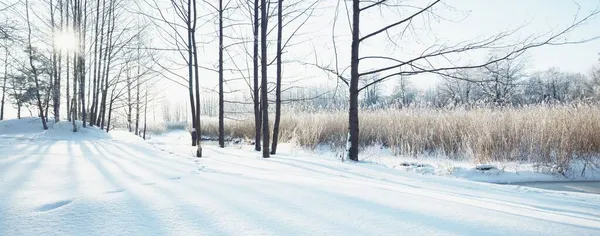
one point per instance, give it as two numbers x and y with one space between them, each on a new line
500 172
91 183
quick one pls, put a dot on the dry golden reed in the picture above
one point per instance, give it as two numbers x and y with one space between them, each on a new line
534 134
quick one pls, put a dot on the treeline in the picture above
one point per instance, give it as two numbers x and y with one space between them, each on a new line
501 85
77 60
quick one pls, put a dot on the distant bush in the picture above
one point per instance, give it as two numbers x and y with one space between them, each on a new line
166 127
156 128
176 125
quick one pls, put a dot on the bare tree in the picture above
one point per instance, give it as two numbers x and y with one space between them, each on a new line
264 80
4 80
4 36
145 114
34 71
500 79
186 12
403 94
278 83
221 98
55 71
194 48
257 101
422 62
307 13
220 10
460 92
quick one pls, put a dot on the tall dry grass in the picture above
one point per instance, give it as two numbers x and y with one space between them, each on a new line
535 134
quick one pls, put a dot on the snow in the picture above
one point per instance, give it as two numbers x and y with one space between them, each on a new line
31 128
497 172
60 183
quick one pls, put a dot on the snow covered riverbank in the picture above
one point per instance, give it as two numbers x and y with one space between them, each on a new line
495 172
71 184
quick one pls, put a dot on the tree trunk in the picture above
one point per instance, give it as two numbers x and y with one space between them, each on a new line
74 98
195 54
73 111
257 111
98 66
129 105
47 99
353 129
75 104
74 101
66 23
107 58
190 66
82 48
137 105
145 114
221 98
198 126
67 58
109 113
264 93
278 83
34 70
55 78
4 84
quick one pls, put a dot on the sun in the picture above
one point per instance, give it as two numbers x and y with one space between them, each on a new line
65 41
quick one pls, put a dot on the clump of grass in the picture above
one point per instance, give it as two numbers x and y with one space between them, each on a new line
534 134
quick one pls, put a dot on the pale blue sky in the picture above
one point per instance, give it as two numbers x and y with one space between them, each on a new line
476 18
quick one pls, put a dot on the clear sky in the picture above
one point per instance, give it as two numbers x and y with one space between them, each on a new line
458 20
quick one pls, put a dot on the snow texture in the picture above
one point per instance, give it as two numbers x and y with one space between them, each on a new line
89 183
498 172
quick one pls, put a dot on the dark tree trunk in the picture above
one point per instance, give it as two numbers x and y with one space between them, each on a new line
353 130
278 83
263 69
195 54
257 111
221 98
191 65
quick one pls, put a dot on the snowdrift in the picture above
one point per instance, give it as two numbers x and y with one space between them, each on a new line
31 128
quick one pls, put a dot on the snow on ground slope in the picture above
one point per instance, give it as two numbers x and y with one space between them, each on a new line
121 185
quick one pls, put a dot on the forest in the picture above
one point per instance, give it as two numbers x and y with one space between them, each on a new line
110 64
